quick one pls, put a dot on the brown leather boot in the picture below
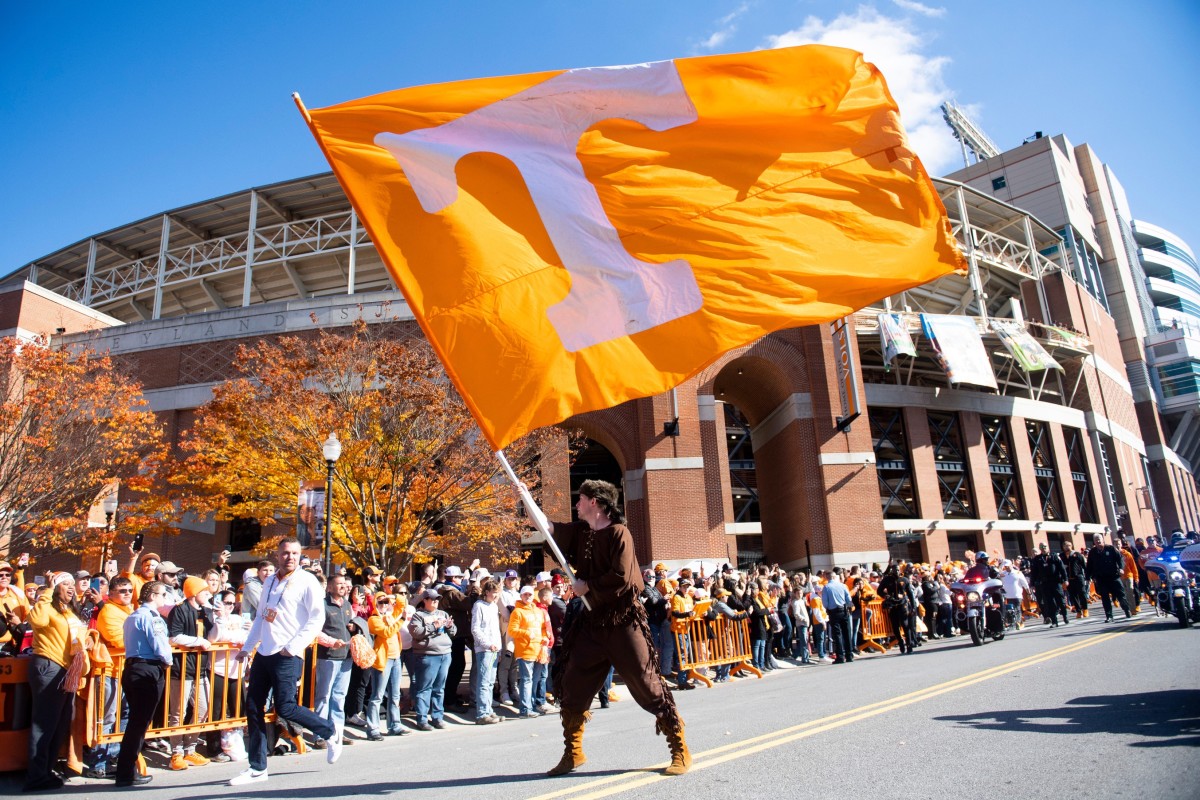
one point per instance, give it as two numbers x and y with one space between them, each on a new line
681 757
573 757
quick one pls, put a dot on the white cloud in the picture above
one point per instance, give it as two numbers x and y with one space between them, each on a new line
919 8
896 47
726 27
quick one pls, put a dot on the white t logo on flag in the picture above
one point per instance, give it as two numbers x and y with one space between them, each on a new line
612 293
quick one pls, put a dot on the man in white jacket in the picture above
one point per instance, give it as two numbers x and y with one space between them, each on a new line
485 630
291 613
1015 588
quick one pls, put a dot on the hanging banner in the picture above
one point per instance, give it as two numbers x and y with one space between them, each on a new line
846 361
1028 352
959 349
893 335
1069 338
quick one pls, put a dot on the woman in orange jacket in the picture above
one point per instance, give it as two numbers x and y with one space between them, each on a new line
385 625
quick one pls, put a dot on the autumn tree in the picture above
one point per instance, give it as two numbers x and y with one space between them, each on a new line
415 476
72 425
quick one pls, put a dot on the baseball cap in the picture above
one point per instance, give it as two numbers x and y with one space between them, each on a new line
376 571
383 596
542 577
558 580
149 556
453 572
660 566
511 573
526 590
4 565
82 575
430 594
168 567
480 574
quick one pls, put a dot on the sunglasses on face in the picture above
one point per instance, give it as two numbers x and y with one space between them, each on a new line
123 591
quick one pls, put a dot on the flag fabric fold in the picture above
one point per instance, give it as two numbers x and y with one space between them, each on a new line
572 240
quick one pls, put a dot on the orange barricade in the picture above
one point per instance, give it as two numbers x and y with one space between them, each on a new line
877 632
714 644
222 694
15 711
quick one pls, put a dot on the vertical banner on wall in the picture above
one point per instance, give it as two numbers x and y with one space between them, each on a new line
893 335
959 349
847 373
1028 352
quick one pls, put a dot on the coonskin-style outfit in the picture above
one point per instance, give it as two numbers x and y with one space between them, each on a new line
615 633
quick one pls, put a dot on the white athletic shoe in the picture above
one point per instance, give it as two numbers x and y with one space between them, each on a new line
250 776
333 749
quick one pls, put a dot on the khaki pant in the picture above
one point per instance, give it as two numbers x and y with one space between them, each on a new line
194 697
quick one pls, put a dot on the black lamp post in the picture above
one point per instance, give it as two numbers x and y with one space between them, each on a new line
110 511
332 450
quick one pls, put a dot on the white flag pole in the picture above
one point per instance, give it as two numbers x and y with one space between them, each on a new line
538 517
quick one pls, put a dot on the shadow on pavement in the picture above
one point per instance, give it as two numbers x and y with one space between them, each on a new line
1164 719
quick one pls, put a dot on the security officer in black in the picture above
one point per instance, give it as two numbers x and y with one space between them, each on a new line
1050 574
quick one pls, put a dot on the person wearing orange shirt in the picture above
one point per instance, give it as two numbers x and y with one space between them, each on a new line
58 634
14 610
1129 577
101 761
385 625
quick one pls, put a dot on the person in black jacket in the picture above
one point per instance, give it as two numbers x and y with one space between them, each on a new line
656 616
1050 574
1104 566
1076 566
899 602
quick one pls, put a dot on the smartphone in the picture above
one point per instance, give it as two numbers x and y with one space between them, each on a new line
40 580
138 541
95 584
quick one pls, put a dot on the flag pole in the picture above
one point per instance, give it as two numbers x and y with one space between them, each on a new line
303 110
538 518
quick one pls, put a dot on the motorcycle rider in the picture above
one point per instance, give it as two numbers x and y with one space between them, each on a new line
982 571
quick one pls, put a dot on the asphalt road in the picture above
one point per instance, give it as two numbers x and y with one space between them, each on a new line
1088 710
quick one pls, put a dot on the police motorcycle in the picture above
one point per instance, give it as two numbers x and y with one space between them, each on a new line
978 601
1176 570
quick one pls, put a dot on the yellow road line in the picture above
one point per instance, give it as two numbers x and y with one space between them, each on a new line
637 778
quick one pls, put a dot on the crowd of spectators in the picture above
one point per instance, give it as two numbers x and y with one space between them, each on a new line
379 629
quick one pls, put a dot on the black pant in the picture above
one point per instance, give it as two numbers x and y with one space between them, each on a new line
143 687
458 665
901 620
1077 592
51 717
1051 601
1108 588
276 674
839 628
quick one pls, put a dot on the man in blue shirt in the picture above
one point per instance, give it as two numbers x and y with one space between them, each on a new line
147 655
838 604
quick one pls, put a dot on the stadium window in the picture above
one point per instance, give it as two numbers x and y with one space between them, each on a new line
998 183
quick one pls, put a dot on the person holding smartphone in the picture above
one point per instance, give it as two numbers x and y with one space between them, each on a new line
14 610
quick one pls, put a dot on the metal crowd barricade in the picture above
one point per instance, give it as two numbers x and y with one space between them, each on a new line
224 693
877 631
714 643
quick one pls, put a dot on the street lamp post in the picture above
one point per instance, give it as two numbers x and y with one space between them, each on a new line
332 450
110 511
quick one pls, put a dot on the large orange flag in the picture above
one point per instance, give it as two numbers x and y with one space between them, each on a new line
571 240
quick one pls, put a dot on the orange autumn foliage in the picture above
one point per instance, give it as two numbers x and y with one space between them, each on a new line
414 478
71 426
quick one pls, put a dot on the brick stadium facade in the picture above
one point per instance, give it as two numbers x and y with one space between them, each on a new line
745 461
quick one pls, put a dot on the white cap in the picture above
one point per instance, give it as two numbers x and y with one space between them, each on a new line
480 574
526 590
542 577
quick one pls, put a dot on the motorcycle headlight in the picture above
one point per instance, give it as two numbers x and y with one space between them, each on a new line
972 596
1176 576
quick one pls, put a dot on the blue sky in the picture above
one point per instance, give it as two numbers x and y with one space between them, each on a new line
117 111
